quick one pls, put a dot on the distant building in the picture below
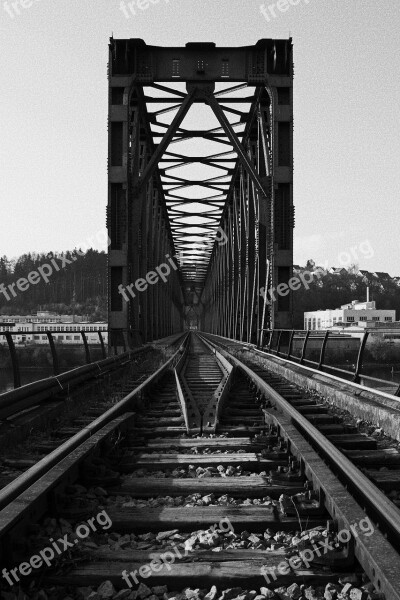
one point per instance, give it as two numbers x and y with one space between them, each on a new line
388 331
338 271
382 275
32 328
366 275
347 315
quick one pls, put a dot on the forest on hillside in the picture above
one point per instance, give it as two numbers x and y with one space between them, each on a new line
80 286
77 283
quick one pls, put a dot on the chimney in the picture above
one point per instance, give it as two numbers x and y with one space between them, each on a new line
367 293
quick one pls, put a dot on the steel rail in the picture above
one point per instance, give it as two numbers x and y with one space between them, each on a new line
56 382
35 393
332 376
21 484
371 496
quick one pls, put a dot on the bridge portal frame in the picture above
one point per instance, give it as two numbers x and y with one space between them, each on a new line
258 217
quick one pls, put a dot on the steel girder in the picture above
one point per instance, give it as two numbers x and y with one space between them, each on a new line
231 227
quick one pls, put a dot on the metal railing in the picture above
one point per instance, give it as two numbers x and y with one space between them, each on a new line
280 342
15 362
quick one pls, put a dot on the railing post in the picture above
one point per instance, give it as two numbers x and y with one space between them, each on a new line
323 347
278 346
14 360
103 348
360 357
56 368
86 345
289 352
303 352
271 337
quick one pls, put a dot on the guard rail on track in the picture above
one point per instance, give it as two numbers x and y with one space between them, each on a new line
36 392
379 505
19 485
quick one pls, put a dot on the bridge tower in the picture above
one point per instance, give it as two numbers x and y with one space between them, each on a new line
200 206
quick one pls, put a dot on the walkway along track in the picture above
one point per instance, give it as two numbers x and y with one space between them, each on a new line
257 479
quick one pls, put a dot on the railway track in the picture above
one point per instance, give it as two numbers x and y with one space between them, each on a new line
197 485
56 422
375 455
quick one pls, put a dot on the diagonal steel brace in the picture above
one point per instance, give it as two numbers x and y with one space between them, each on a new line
233 138
169 134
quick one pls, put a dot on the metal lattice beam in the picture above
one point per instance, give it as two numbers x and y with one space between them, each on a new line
230 181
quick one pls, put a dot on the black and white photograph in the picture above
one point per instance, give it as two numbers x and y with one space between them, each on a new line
199 300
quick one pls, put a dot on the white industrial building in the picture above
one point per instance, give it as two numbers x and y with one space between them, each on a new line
32 329
347 315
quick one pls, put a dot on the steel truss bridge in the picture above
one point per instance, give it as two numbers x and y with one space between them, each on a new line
200 201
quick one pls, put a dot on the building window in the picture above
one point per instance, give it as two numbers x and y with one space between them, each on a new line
388 318
376 318
363 318
77 337
68 337
350 319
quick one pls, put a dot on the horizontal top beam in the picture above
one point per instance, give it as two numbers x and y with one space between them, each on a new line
200 61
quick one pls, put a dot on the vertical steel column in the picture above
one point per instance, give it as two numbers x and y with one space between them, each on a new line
289 352
86 346
103 348
56 369
303 352
360 357
323 348
14 360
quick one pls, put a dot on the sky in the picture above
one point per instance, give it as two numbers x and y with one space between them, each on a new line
53 116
